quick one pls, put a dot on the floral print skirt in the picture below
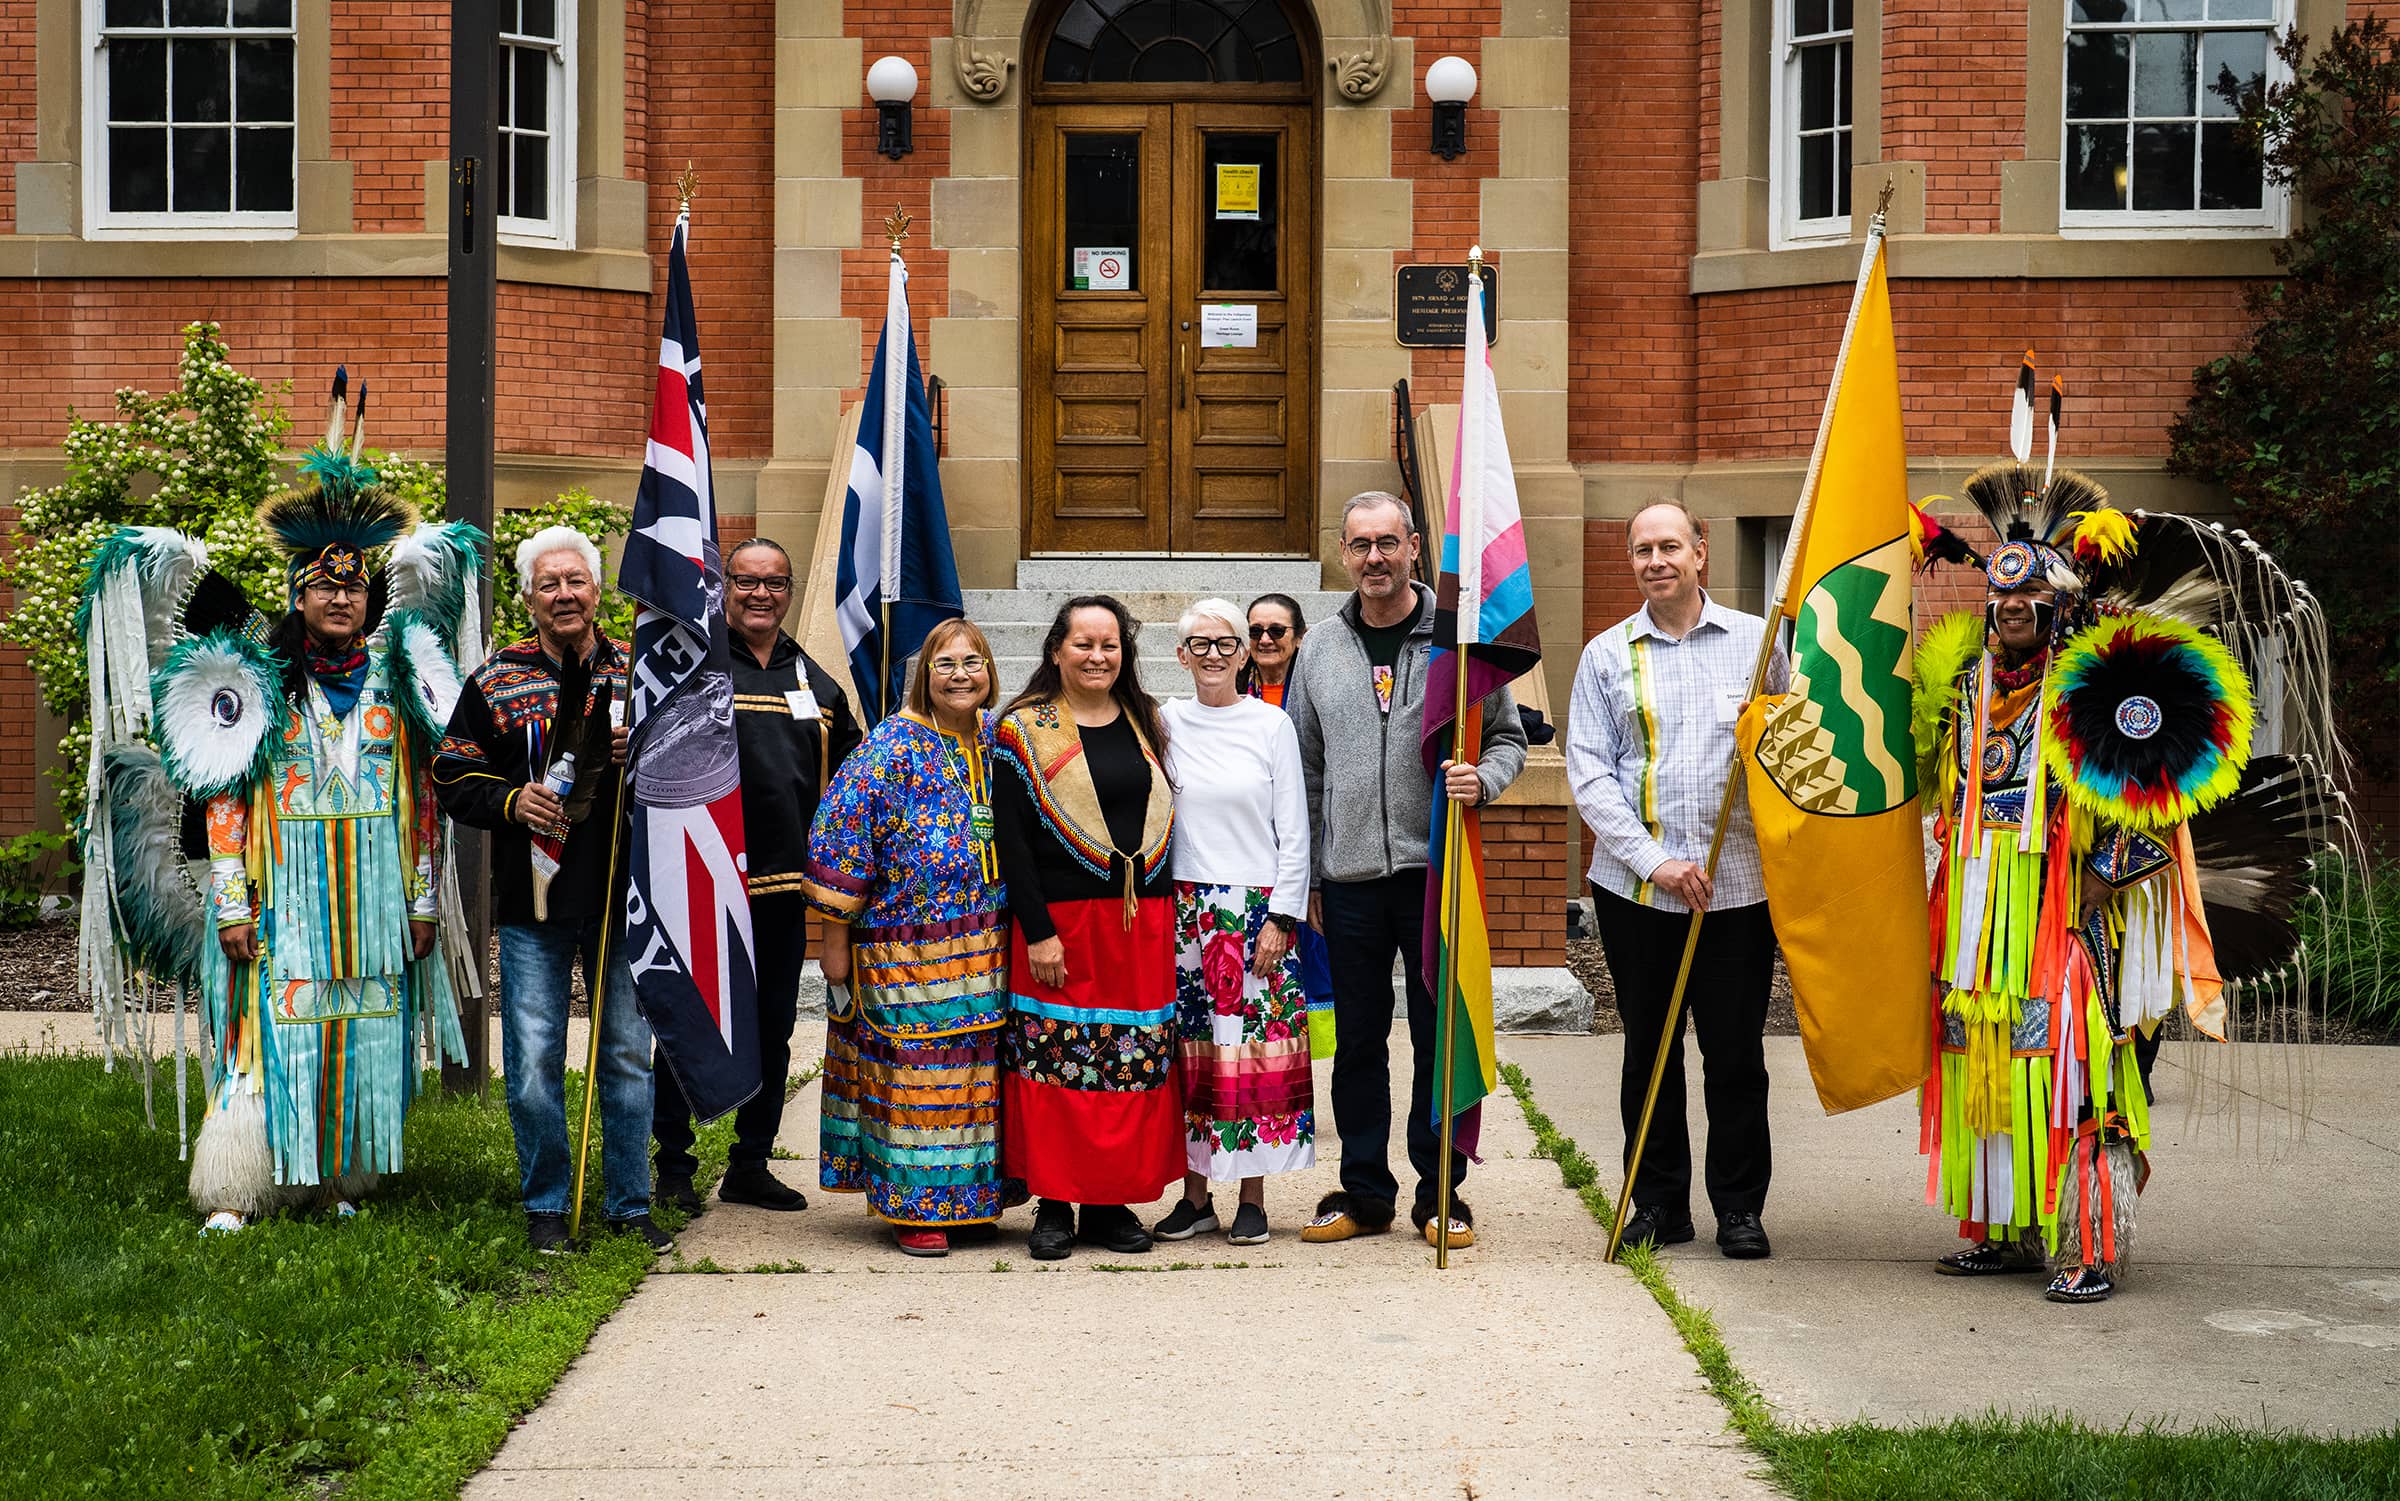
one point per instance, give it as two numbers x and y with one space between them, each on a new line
1242 1045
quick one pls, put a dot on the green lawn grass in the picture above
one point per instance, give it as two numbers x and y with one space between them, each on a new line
382 1356
1997 1457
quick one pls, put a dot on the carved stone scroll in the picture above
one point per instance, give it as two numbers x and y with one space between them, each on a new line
1359 76
981 75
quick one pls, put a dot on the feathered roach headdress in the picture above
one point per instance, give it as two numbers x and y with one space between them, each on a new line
340 511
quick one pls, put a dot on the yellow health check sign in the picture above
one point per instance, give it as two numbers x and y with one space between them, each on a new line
1237 190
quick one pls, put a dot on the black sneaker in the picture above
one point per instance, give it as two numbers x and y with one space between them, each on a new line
1186 1220
1112 1227
548 1233
1650 1227
659 1241
1742 1237
752 1184
1249 1226
675 1190
1053 1237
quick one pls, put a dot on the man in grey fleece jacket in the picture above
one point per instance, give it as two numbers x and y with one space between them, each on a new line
1357 697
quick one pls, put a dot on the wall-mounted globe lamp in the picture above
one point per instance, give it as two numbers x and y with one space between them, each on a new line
892 84
1450 83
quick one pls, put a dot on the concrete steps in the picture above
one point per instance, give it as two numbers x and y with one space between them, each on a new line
1156 590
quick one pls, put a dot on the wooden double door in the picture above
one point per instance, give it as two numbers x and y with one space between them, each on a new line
1170 297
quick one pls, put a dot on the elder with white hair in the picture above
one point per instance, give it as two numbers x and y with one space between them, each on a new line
1241 887
504 766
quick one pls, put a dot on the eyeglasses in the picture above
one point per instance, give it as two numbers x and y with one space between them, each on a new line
1269 632
1212 646
336 591
750 583
1390 547
957 667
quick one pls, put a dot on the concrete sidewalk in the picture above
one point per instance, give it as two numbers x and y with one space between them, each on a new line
1284 1370
2265 1284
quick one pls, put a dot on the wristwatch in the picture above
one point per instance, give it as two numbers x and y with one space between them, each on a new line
1284 920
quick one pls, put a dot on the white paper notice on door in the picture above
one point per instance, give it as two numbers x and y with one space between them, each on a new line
1103 268
1228 325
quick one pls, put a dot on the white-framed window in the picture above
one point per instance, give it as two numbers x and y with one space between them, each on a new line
1812 119
2152 142
191 127
536 169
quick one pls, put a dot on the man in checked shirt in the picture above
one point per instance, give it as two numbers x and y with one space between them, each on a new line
1649 746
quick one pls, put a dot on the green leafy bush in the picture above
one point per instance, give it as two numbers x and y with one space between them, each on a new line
2303 426
30 864
2350 937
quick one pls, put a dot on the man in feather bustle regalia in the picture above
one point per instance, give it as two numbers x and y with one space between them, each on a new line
318 939
2086 742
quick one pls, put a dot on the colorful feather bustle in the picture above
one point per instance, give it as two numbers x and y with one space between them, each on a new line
2104 535
433 572
2149 721
221 709
157 905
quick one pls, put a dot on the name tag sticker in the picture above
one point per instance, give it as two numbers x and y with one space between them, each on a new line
803 702
1729 708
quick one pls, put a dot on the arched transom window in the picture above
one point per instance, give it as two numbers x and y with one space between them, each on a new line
1172 41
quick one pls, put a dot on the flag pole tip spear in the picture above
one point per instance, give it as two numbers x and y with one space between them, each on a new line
1475 255
896 226
686 184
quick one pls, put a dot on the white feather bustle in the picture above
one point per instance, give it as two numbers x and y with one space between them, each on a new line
437 679
214 715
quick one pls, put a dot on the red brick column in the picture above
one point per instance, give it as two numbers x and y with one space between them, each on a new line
1525 849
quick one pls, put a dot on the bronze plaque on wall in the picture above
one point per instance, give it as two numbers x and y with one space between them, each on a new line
1431 305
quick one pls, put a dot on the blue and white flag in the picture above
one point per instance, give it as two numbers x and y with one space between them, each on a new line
687 910
895 533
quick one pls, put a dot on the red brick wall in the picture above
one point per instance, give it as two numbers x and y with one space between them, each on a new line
1633 135
1954 99
905 29
711 75
1707 59
2126 348
573 363
1447 195
391 108
1525 851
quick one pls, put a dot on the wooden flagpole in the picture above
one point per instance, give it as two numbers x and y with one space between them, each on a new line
1670 1034
1454 823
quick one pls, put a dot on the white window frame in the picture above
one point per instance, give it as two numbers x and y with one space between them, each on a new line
1784 110
2269 220
558 230
100 222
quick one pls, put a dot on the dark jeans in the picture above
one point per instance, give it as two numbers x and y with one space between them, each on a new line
1727 1002
1366 923
537 963
779 922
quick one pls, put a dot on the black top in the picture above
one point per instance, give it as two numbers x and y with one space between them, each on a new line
504 710
781 754
1382 645
1036 865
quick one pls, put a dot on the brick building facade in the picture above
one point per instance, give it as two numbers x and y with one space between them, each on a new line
1673 200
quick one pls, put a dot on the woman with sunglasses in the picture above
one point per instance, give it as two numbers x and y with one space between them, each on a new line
1241 885
904 853
1276 626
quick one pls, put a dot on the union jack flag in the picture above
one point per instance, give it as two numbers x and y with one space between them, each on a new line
687 912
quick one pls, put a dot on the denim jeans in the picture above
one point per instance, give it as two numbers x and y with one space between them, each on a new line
536 963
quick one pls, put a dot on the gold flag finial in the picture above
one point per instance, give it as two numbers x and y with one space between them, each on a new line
896 227
1475 257
1883 198
685 185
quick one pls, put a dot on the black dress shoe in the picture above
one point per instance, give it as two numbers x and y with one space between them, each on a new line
1741 1237
752 1184
675 1190
1112 1227
548 1234
1649 1227
1053 1237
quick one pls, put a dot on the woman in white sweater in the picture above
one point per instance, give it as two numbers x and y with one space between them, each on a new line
1241 887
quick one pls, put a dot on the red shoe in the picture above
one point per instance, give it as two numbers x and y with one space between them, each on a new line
925 1242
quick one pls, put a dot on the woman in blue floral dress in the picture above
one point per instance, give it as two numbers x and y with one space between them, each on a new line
902 852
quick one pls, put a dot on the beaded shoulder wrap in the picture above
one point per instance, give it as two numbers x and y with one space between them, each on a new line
1041 745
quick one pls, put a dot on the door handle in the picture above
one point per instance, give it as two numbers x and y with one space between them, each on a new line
1183 373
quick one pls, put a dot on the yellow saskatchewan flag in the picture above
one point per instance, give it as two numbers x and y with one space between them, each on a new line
1832 772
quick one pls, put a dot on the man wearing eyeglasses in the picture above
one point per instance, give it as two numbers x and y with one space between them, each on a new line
794 726
1357 698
